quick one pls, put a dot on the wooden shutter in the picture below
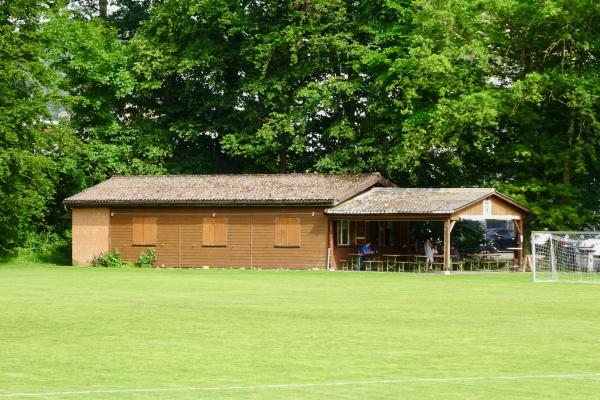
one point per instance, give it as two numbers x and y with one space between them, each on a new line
293 232
150 231
280 232
138 230
208 232
144 231
220 232
287 232
214 231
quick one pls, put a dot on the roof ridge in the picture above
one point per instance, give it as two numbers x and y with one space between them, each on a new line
244 174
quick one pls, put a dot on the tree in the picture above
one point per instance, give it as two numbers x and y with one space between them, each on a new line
94 67
30 144
502 93
275 86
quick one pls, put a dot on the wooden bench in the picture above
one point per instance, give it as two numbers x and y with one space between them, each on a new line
345 266
458 265
378 265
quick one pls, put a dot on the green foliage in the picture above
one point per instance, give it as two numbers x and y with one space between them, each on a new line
47 246
147 259
430 93
110 259
30 144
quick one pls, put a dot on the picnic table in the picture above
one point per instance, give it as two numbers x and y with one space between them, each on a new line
484 259
394 261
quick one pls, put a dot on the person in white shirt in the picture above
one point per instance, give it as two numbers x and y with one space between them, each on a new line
429 252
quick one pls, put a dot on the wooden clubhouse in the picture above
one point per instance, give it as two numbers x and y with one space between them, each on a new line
269 221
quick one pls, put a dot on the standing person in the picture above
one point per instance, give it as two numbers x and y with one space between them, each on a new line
366 251
429 252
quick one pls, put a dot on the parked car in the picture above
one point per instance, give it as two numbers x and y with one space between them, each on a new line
501 238
589 254
591 246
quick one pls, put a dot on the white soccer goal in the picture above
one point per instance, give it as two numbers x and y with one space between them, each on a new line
565 256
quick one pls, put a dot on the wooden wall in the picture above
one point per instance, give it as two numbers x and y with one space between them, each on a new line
90 234
250 237
499 208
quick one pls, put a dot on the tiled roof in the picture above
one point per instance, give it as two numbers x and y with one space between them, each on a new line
411 201
227 189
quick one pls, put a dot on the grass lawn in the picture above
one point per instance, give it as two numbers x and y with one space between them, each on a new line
235 334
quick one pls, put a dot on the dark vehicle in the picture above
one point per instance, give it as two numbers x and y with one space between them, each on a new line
501 238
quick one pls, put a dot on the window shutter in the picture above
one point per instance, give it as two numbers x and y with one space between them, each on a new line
281 232
214 231
287 232
293 232
138 230
208 232
144 231
220 232
149 231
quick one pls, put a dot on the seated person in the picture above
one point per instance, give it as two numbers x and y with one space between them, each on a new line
365 251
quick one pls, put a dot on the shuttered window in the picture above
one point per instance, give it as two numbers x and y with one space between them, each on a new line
214 231
287 232
144 231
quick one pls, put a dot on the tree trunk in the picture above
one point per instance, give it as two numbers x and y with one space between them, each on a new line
570 135
283 161
102 6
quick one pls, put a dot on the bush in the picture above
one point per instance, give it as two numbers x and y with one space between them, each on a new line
147 259
47 246
111 259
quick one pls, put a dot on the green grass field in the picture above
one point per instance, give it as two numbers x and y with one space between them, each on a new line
84 333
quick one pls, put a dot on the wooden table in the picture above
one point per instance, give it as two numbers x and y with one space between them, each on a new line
369 265
354 261
421 260
392 261
485 258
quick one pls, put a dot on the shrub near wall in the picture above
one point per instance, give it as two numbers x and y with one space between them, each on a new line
111 259
147 259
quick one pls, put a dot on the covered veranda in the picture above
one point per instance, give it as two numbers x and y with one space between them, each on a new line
397 221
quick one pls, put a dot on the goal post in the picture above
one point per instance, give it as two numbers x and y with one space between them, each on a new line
562 256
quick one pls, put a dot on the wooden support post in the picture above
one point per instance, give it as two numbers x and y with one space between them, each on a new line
448 225
331 264
518 224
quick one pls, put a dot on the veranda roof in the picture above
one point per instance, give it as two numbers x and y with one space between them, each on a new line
307 188
419 201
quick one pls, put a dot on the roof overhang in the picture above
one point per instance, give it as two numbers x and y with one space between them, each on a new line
196 203
424 204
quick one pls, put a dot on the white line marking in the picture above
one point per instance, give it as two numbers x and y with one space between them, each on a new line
590 376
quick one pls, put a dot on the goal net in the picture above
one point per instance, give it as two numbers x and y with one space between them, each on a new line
565 256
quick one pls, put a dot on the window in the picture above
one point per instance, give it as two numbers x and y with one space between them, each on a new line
144 231
385 233
343 233
287 232
214 231
360 236
487 208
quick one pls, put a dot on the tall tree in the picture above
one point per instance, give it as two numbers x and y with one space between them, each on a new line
275 86
30 143
94 66
503 93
